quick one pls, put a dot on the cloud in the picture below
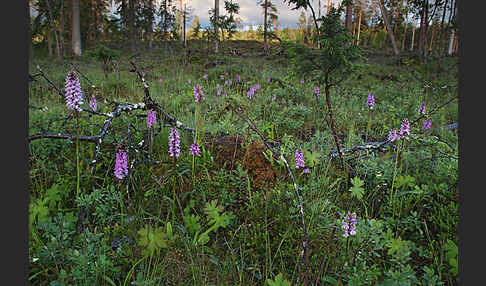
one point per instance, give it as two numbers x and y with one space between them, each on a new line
251 12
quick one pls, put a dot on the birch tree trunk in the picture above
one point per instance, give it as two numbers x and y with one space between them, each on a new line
413 37
453 32
451 42
76 32
388 27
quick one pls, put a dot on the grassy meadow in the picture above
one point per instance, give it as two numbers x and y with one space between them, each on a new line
232 216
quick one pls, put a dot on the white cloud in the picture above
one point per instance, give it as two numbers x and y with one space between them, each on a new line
251 12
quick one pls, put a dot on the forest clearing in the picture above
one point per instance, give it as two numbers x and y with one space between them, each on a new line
307 159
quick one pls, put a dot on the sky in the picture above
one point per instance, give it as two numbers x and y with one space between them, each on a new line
251 13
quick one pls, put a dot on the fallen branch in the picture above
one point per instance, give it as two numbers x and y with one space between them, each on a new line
380 146
106 125
147 103
151 104
51 135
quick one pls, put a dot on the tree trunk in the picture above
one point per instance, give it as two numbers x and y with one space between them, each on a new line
451 12
76 31
453 32
395 26
456 44
441 33
61 29
49 42
53 27
180 21
328 6
265 27
216 20
451 43
388 27
370 28
131 24
413 37
404 37
349 17
359 25
423 29
184 24
151 25
92 26
432 40
123 16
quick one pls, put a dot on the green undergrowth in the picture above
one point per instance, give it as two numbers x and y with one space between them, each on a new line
231 216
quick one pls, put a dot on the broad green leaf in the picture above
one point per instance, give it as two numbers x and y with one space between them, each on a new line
357 190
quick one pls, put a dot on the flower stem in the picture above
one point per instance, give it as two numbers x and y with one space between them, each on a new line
77 156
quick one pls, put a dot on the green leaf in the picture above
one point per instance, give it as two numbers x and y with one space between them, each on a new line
169 230
357 190
451 256
39 210
192 223
279 281
203 239
311 159
152 239
212 209
330 280
53 195
397 247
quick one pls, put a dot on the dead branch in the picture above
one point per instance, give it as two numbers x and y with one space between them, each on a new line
147 103
51 135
